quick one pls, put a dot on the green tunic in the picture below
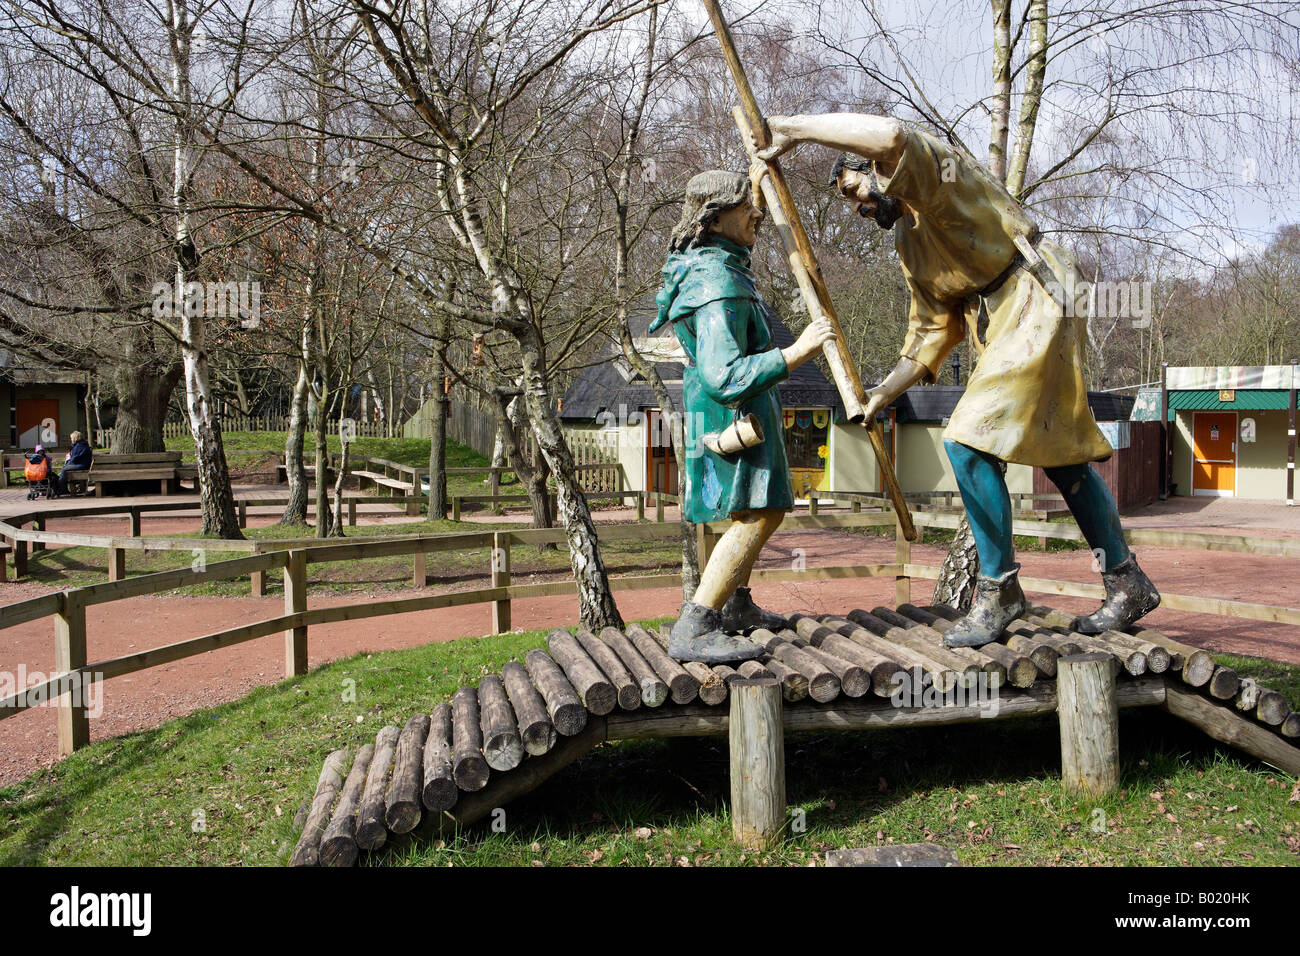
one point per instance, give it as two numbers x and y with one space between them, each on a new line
732 370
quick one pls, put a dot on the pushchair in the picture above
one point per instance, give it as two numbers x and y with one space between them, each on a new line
40 476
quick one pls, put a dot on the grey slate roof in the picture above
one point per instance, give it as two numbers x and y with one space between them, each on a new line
605 387
934 403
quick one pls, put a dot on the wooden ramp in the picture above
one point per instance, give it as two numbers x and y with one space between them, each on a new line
863 671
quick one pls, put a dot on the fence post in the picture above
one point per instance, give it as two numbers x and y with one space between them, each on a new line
420 561
116 564
20 557
69 656
757 750
243 514
500 579
640 505
134 516
812 502
704 541
902 555
352 513
295 602
455 506
38 524
1086 709
659 507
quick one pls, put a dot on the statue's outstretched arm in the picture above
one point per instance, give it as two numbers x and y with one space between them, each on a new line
875 137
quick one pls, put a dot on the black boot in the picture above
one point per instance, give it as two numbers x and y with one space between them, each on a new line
1129 595
998 602
698 635
740 615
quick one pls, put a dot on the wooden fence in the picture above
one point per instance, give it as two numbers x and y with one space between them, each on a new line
246 423
68 608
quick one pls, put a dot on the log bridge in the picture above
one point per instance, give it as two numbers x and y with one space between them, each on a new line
861 671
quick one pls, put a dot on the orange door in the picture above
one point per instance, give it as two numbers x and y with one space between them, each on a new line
32 412
660 462
1214 453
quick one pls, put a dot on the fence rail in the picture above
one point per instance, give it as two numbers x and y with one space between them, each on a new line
68 607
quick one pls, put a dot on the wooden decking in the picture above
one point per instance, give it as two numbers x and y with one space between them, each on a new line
862 671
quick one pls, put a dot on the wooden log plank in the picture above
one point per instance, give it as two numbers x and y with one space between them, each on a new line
713 689
1247 696
371 832
1227 726
1061 643
887 675
536 730
1291 726
969 664
921 670
757 751
751 670
626 689
1223 684
1272 709
567 712
1089 721
338 846
909 616
870 713
402 804
654 690
682 687
440 790
1158 656
503 746
594 689
307 852
794 685
854 680
1130 658
468 767
944 673
823 685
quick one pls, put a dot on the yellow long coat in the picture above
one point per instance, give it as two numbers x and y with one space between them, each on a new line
1026 401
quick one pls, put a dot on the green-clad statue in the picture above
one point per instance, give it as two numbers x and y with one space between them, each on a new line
736 463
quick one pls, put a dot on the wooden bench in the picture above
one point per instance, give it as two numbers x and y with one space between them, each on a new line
161 466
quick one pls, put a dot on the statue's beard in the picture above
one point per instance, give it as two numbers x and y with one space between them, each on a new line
887 212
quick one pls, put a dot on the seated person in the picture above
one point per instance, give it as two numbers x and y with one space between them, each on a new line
78 459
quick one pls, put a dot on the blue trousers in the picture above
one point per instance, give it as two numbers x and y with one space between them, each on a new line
988 507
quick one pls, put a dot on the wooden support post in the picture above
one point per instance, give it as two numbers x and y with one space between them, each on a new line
38 524
659 507
640 506
352 513
116 564
257 584
902 555
455 506
295 601
165 486
1089 718
500 579
70 655
243 514
20 558
1290 434
421 576
757 744
704 542
135 522
412 507
1166 442
856 506
812 502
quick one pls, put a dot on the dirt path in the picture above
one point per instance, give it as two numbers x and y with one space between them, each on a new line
150 697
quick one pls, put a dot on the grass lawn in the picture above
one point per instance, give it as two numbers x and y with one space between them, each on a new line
222 786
